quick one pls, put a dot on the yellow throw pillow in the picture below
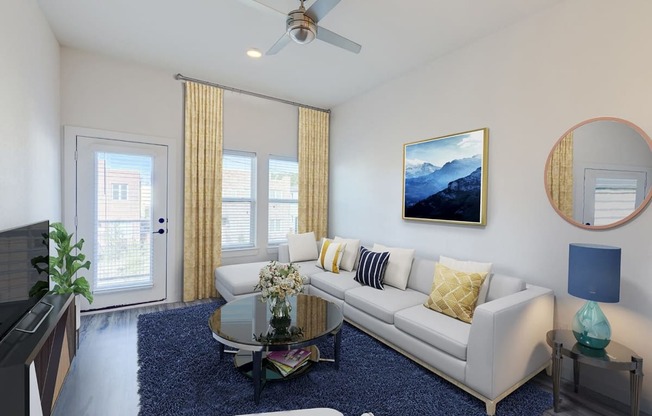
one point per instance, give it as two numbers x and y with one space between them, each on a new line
455 293
330 256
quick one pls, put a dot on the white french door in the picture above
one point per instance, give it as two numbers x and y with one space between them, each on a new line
122 215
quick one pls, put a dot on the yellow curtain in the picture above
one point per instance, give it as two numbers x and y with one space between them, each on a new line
560 175
202 225
313 171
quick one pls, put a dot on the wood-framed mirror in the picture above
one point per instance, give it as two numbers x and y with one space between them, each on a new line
599 173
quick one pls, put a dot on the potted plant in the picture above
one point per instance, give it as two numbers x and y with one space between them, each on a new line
67 262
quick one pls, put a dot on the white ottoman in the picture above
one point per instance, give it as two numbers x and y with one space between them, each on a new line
302 412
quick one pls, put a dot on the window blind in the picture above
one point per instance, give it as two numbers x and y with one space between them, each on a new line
238 202
283 199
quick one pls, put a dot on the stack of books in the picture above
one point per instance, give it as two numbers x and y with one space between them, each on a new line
287 362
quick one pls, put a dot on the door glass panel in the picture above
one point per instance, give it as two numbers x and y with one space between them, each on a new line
123 251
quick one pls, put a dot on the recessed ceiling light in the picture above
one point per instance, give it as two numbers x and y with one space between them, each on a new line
254 53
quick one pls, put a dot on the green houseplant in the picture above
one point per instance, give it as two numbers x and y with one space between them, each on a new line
68 261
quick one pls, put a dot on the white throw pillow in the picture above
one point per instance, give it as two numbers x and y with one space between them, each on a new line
471 267
351 252
330 255
302 247
398 266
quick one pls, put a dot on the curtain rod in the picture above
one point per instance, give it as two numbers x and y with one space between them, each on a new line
254 94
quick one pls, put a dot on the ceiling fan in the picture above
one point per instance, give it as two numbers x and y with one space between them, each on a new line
301 27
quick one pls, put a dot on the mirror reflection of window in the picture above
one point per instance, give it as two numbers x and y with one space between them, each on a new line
611 195
597 173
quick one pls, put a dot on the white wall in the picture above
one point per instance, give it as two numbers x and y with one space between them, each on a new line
528 84
103 93
30 154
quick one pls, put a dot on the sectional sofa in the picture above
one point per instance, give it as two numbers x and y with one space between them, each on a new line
502 348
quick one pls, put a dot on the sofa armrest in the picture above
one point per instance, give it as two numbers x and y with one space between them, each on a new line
507 341
283 253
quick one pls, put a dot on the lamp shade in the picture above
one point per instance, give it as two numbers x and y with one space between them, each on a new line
594 272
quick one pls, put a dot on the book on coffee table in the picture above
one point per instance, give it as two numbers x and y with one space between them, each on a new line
289 361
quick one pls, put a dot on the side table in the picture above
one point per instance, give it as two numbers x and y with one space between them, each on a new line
615 356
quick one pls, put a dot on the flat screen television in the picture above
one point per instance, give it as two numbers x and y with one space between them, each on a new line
24 272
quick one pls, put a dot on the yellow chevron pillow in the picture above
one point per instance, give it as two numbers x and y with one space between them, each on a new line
330 256
455 293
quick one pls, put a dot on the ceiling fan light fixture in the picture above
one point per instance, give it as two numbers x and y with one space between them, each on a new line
301 28
302 35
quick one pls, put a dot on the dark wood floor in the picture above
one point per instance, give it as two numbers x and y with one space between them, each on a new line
102 380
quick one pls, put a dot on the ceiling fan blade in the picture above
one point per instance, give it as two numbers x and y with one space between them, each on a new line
280 44
263 7
337 40
320 8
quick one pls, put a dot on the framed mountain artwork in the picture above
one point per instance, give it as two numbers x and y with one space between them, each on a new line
445 178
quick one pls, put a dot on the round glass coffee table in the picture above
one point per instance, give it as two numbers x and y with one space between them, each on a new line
246 324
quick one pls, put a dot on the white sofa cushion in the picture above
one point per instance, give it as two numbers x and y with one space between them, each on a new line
502 285
398 266
443 332
307 269
421 275
383 304
240 279
351 252
302 247
334 284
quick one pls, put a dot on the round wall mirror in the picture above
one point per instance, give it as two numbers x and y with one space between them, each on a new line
599 173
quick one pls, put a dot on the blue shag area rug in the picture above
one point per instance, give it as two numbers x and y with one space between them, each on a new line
180 373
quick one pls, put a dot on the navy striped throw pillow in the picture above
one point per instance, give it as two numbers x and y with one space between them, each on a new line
371 269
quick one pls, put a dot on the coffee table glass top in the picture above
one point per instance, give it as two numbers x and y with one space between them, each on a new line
247 321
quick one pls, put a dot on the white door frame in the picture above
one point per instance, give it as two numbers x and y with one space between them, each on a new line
175 195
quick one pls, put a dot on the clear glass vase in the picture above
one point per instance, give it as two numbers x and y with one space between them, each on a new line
279 307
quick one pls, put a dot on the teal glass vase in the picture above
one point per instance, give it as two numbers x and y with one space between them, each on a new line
591 327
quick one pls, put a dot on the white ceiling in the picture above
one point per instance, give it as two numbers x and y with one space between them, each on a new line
207 39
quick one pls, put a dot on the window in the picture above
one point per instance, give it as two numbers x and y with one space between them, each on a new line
119 191
238 202
283 199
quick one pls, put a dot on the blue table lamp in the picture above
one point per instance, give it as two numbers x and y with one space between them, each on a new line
594 275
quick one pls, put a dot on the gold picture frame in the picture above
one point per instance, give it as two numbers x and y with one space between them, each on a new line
445 178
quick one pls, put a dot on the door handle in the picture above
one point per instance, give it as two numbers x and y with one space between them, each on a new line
160 230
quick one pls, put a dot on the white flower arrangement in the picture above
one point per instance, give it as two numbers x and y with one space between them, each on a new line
279 280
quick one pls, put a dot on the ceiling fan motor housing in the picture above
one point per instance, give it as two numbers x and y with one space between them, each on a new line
300 27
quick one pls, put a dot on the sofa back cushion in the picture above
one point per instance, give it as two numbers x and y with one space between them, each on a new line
423 270
303 247
398 265
502 285
351 252
421 275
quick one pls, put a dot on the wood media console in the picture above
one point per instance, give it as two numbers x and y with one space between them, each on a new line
34 360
